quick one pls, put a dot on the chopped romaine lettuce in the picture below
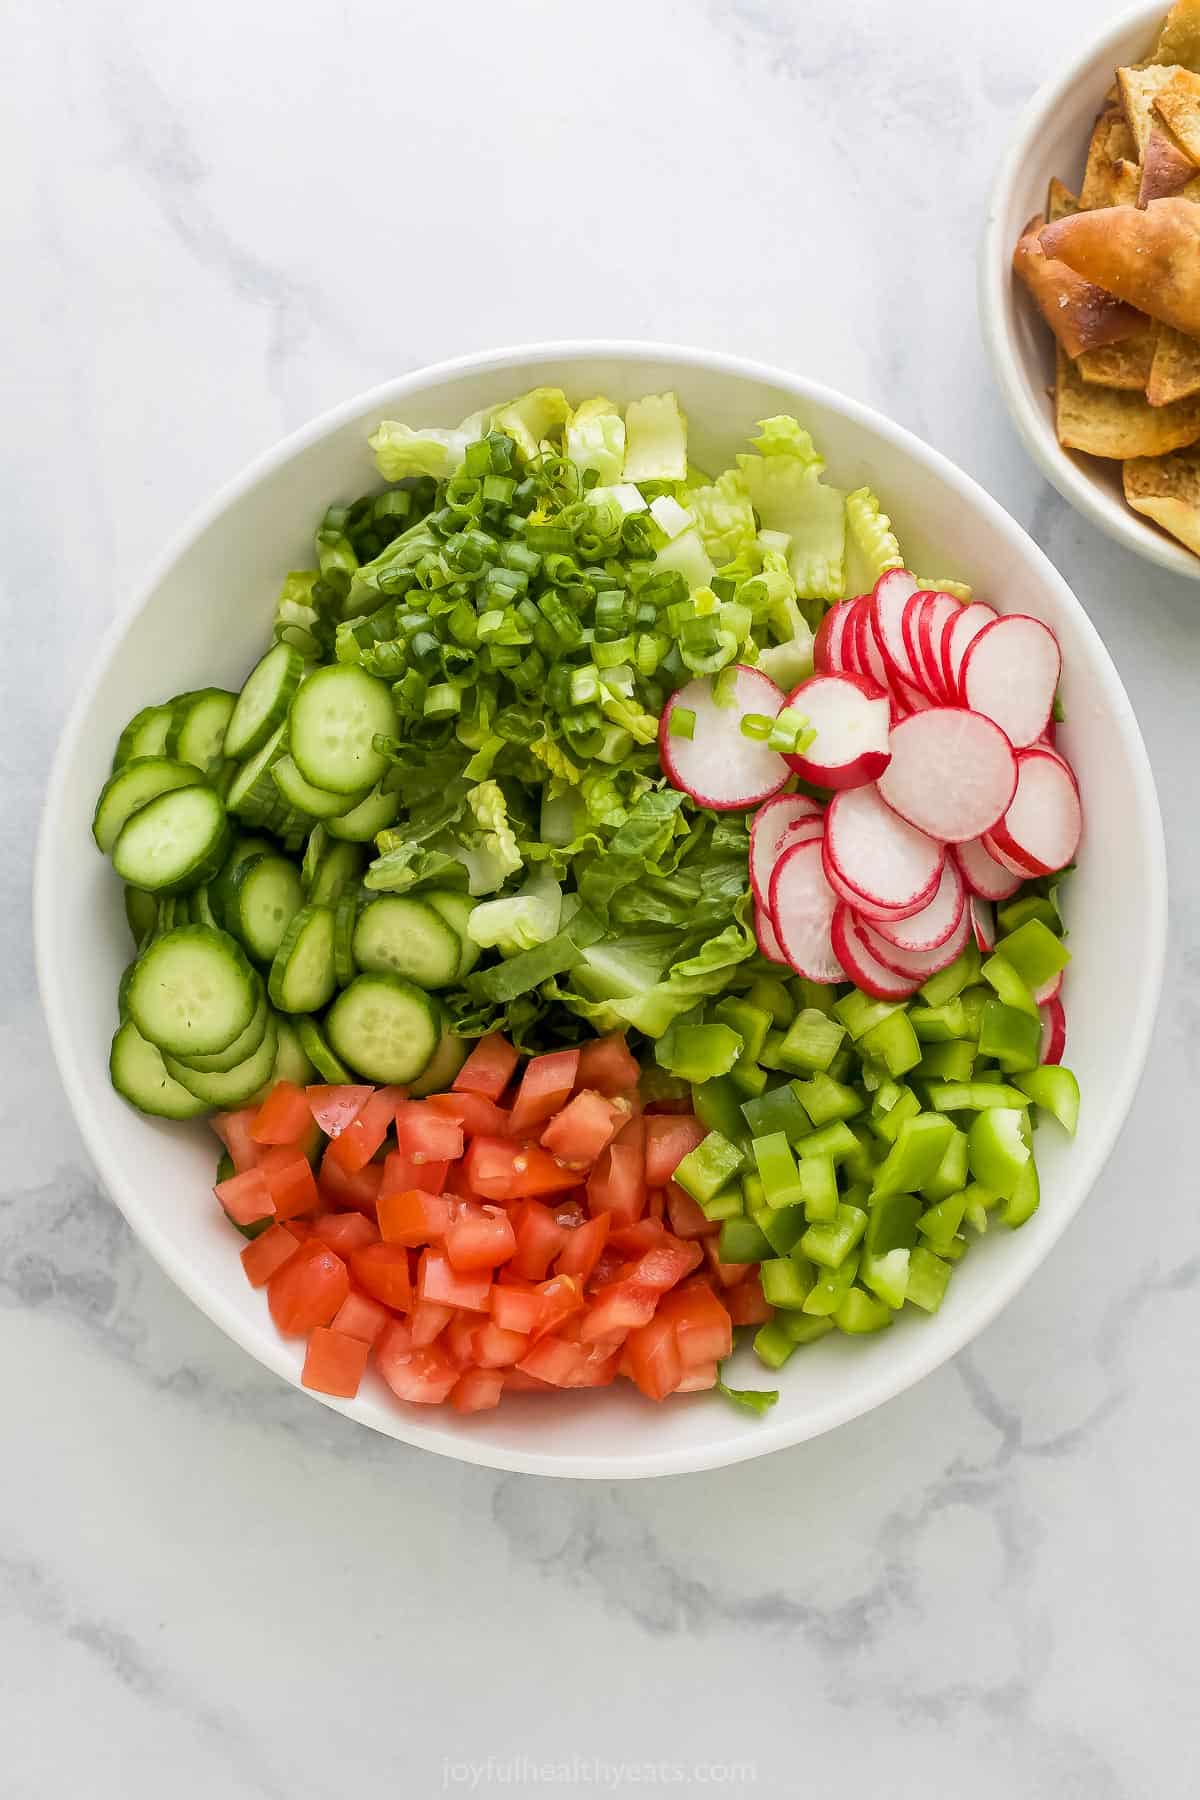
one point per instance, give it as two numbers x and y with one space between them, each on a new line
655 440
595 439
871 545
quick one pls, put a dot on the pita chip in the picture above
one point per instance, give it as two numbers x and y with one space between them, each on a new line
1149 256
1179 39
1060 201
1112 176
1165 170
1175 370
1081 315
1177 106
1139 89
1126 365
1107 422
1167 490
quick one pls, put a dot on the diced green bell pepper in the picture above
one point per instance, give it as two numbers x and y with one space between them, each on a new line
811 1042
826 1100
974 999
940 1222
830 1286
858 1012
1023 1202
751 1023
777 1170
998 1149
718 1105
699 1052
768 1056
940 1024
708 1168
728 1204
830 1244
815 994
927 1278
951 1173
1009 986
892 1042
978 1202
914 1157
1035 952
954 1251
748 1078
786 1282
860 1164
771 996
889 1113
802 1328
780 1109
972 1096
772 1345
754 1194
742 1242
844 1065
886 1276
892 1224
836 1141
819 1189
947 1062
783 1229
859 1312
1012 1037
1054 1088
1015 913
947 983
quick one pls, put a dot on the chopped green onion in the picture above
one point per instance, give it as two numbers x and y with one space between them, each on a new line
682 722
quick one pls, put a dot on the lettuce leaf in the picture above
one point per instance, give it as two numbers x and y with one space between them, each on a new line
655 440
789 496
521 921
725 517
531 417
595 439
400 451
871 545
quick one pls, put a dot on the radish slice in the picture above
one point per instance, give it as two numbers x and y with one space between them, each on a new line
770 836
983 924
848 936
717 765
888 863
909 621
851 717
1054 1032
990 879
868 657
939 611
952 773
1009 674
936 923
1049 990
961 635
768 943
1041 828
909 698
916 965
1022 871
893 591
827 643
802 906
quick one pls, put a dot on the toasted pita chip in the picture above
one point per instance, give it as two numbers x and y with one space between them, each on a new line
1177 106
1060 201
1081 316
1126 365
1175 371
1111 177
1167 490
1139 90
1107 422
1165 169
1179 39
1149 256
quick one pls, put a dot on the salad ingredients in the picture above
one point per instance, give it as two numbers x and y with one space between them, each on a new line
850 718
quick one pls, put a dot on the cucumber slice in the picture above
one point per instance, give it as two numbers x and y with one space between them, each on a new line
340 868
314 850
201 910
243 1046
170 914
291 1060
332 723
175 842
316 1048
137 1071
302 978
141 913
196 733
192 991
265 897
123 990
262 705
442 1067
133 786
345 917
145 735
401 936
384 1027
252 794
224 888
234 1087
363 822
301 796
456 909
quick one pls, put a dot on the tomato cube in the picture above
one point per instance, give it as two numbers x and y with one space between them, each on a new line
565 1364
291 1181
236 1132
414 1218
246 1197
584 1247
540 1237
358 1141
496 1348
585 1127
438 1280
636 1239
429 1319
617 1184
423 1374
358 1192
561 1296
608 1065
345 1232
283 1117
489 1068
665 1263
382 1271
516 1307
746 1303
497 1169
426 1135
361 1317
729 1275
668 1141
697 1380
334 1363
478 1116
655 1363
308 1290
617 1310
336 1107
479 1237
687 1218
459 1335
268 1253
545 1086
703 1327
476 1390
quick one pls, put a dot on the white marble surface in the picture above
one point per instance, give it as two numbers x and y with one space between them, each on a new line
218 220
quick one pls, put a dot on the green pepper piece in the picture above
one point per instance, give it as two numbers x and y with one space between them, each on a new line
741 1242
948 983
811 1042
1015 913
784 1282
802 1328
718 1105
772 1345
892 1042
887 1119
914 1157
830 1286
728 1204
699 1052
860 1312
708 1168
886 1276
940 1024
830 1244
771 996
750 1022
974 999
749 1078
815 994
858 1012
892 1224
1023 1202
972 1096
825 1100
940 1222
783 1229
1055 1088
768 1056
928 1276
778 1110
1010 1036
860 1164
777 1170
1010 987
951 1173
954 1251
978 1202
836 1141
947 1062
819 1189
998 1149
1035 952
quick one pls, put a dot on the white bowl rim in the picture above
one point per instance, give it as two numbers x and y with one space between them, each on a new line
1113 516
769 1434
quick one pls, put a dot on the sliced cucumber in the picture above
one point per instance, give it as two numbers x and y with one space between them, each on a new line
401 936
201 909
384 1027
339 869
262 705
265 897
233 1087
170 914
145 735
141 912
137 1071
456 909
192 991
292 1062
302 796
363 822
175 842
314 850
345 917
333 721
316 1048
224 888
442 1067
133 786
197 729
243 1046
302 978
123 990
252 794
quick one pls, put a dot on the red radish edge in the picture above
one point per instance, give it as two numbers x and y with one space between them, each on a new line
769 830
1010 673
917 965
1040 830
718 766
891 595
1054 1032
952 773
936 922
850 946
990 879
802 906
851 718
859 830
983 924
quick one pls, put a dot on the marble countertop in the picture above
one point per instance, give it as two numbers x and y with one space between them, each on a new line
220 220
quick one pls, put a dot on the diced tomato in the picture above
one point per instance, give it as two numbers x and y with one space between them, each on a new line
668 1141
584 1127
246 1197
746 1303
476 1390
516 1381
702 1325
584 1247
414 1218
457 1182
561 1296
636 1239
617 1184
498 1169
606 1271
334 1363
729 1275
496 1348
571 1212
290 1178
565 1364
336 1107
516 1307
698 1379
402 1172
361 1317
428 1320
459 1337
540 1237
267 1253
687 1217
345 1232
382 1271
438 1280
545 1086
236 1132
489 1068
656 1205
480 1237
608 1065
358 1141
424 1374
284 1115
478 1116
660 1267
358 1192
654 1359
426 1135
308 1290
617 1310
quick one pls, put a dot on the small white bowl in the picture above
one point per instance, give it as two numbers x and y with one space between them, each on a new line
1052 139
203 616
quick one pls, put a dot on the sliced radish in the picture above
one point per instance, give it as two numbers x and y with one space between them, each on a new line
916 965
1049 990
1054 1032
718 766
768 943
1041 828
952 773
936 923
983 924
893 591
852 718
827 643
909 698
888 863
990 879
1022 870
1009 673
770 836
848 935
959 637
939 611
868 657
802 907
